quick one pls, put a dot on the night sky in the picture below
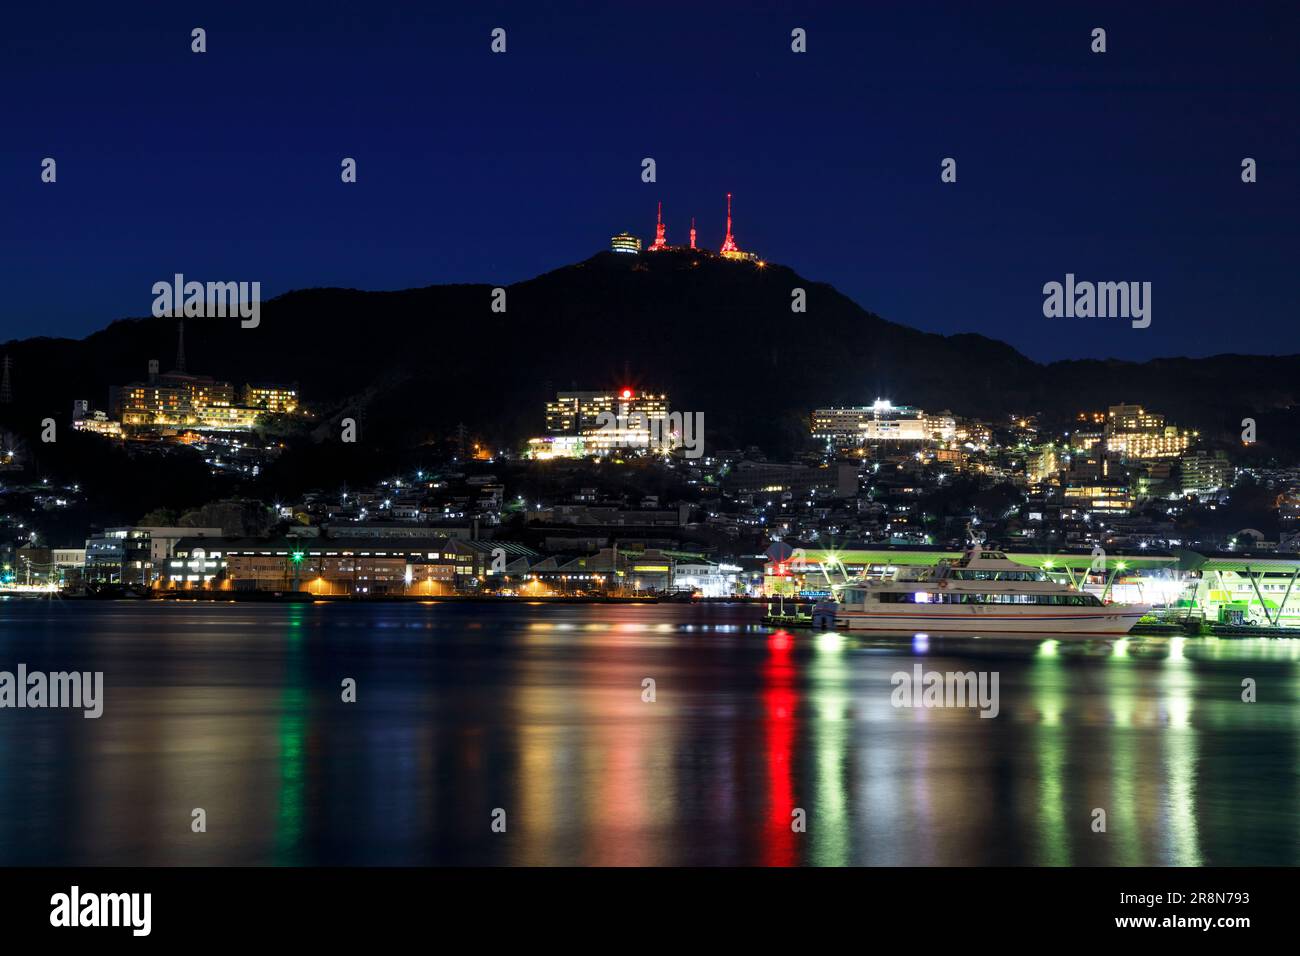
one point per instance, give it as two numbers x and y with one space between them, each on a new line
475 167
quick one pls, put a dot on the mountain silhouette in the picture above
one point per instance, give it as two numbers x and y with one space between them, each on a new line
718 335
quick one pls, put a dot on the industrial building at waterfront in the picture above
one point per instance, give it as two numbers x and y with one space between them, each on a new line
433 567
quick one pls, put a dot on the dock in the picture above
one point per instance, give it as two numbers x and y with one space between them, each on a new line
800 615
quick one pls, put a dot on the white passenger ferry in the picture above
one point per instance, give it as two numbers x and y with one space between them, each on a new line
981 592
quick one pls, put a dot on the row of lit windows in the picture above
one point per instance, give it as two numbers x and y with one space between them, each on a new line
996 575
930 597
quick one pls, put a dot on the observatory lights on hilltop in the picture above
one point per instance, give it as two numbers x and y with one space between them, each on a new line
625 242
628 243
660 242
729 248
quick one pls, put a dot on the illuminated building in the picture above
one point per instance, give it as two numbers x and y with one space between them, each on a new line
1132 418
953 456
558 446
1204 473
119 556
609 570
841 426
1101 497
163 540
692 232
1244 589
97 423
174 398
132 555
1043 465
1135 434
625 242
579 413
180 400
1086 441
337 567
660 242
225 418
706 578
881 421
572 411
276 399
1155 481
976 433
585 423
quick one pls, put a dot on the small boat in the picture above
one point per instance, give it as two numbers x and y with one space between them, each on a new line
678 597
114 591
982 592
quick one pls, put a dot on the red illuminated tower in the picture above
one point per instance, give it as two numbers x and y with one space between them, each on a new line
729 244
660 242
692 232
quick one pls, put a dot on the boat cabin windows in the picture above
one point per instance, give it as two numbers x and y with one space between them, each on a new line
952 597
975 556
969 575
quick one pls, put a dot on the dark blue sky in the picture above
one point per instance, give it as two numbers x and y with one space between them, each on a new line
493 168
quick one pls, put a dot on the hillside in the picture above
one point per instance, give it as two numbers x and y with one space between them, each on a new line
719 336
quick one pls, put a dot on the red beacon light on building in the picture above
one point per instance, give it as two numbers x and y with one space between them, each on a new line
626 393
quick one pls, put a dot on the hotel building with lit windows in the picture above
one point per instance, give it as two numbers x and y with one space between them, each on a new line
1100 497
882 421
276 399
625 242
180 400
1134 434
174 398
584 423
1206 472
97 423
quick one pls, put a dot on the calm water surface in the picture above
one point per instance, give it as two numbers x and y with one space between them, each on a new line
463 709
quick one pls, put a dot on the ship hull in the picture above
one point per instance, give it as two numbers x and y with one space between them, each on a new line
1114 620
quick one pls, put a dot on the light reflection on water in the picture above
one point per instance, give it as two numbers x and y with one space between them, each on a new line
538 710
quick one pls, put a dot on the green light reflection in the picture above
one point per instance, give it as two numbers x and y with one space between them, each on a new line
832 728
292 730
1049 740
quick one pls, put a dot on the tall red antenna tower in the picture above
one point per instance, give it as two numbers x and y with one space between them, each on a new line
660 242
729 244
692 232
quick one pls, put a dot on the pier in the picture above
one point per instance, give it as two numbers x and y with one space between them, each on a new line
1223 595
